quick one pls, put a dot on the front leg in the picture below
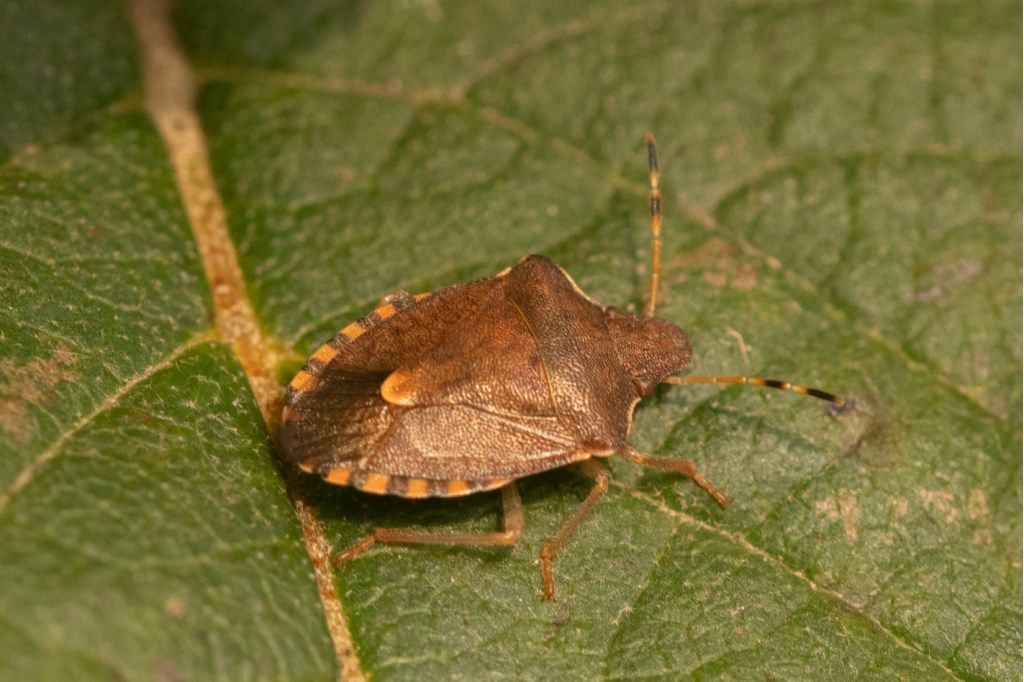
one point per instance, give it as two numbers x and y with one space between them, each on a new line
679 466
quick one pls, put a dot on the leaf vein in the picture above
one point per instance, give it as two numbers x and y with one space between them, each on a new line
744 544
28 473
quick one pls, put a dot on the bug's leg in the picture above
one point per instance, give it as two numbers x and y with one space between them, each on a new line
396 297
512 508
679 466
652 166
599 472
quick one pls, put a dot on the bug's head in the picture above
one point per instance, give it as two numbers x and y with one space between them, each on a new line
648 347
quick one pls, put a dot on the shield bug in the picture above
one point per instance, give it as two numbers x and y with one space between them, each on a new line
474 386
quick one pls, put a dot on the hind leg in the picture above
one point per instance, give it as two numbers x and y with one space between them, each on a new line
512 510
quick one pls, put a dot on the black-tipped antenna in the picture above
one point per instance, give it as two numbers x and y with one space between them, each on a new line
840 403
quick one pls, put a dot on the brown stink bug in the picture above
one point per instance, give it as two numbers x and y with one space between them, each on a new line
476 385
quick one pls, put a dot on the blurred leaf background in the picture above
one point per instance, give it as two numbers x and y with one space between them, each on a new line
843 208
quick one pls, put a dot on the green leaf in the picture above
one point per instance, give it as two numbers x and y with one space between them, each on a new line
842 208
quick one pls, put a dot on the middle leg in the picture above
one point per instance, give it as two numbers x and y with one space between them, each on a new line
512 508
599 472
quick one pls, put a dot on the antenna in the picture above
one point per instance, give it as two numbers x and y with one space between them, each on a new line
838 404
652 166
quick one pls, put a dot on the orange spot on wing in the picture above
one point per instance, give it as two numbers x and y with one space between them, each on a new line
338 476
457 487
324 354
376 483
353 330
385 311
420 297
395 389
302 381
417 487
